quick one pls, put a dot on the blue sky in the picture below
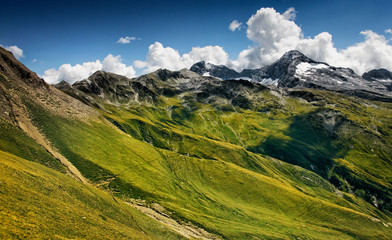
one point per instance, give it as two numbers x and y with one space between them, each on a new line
52 33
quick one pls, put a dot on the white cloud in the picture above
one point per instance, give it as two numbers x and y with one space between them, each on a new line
211 54
290 14
374 52
34 60
16 51
78 72
126 40
235 25
70 73
160 57
114 64
275 33
169 58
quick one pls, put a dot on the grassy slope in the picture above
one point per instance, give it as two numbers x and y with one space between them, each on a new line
360 151
40 203
204 178
15 141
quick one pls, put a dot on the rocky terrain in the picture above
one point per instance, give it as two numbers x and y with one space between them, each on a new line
295 70
281 152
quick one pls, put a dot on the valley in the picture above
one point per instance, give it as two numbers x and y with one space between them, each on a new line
233 159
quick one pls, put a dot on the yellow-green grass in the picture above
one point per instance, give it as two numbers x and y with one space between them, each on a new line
214 183
291 132
39 203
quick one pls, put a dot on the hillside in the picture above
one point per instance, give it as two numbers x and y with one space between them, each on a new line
241 160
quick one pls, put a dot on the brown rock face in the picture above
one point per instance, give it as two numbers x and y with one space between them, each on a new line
16 71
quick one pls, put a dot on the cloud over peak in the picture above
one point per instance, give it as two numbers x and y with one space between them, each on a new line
272 33
16 51
82 71
275 33
159 56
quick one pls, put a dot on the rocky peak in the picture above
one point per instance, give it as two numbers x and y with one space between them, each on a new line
100 81
199 67
286 65
295 70
295 54
165 74
377 74
219 71
16 71
63 85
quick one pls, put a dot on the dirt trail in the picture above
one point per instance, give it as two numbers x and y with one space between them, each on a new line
187 230
23 122
20 118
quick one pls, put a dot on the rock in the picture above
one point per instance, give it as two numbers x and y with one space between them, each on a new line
295 70
377 74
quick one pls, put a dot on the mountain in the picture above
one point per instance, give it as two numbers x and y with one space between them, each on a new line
381 76
174 155
377 75
42 190
295 70
324 122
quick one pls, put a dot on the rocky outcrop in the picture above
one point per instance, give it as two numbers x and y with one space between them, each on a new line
377 75
16 71
295 70
381 76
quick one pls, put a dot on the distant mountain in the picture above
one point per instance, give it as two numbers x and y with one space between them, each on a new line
381 76
295 70
178 155
378 75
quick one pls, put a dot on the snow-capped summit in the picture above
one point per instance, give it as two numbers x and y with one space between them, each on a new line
295 70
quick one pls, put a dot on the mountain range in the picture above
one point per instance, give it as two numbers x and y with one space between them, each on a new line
295 150
295 70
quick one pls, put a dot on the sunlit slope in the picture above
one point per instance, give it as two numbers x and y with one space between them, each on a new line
345 140
39 203
209 155
213 183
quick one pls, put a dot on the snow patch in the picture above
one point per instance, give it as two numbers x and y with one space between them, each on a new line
243 78
305 68
385 80
206 74
269 81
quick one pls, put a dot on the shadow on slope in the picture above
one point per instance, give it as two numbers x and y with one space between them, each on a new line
317 141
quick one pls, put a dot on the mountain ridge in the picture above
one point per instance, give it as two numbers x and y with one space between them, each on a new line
295 70
236 158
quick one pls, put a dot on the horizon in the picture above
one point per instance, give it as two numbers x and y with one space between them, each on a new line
131 39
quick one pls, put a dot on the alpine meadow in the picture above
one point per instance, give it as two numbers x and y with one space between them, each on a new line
297 148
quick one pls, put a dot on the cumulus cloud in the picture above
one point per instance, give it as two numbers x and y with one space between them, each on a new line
290 13
78 72
159 56
274 34
374 52
16 51
34 60
114 64
126 40
235 25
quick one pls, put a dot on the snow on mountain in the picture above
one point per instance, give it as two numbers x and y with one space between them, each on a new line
295 70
